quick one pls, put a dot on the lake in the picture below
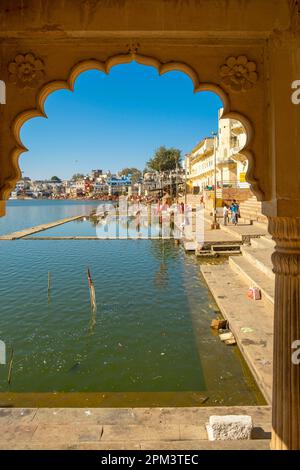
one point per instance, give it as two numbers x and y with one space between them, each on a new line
149 341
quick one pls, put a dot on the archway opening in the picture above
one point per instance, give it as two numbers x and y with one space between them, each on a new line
131 339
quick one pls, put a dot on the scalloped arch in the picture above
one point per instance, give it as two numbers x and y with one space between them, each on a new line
105 67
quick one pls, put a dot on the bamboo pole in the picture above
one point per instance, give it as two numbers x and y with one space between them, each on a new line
10 368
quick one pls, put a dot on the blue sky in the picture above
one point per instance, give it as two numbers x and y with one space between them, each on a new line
116 120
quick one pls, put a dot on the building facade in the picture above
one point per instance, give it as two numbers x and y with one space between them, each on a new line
224 149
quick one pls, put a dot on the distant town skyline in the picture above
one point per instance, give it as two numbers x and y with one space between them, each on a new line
115 121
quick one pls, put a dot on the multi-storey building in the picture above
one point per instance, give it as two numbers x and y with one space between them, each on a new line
222 150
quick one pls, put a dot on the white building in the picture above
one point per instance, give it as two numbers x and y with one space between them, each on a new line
225 148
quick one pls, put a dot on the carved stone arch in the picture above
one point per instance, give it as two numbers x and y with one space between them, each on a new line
250 59
105 67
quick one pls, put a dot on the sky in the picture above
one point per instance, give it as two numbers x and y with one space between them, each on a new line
114 121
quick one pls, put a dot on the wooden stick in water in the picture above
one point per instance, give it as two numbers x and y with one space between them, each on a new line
49 281
92 291
10 366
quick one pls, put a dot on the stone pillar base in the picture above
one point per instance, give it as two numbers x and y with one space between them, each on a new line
286 378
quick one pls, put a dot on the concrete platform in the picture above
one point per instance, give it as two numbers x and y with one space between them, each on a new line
250 321
246 232
124 428
38 228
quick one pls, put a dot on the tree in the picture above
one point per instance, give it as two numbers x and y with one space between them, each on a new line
165 159
77 176
135 173
56 179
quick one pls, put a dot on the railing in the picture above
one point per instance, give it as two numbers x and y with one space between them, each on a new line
224 184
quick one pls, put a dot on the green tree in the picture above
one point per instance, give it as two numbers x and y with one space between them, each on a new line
135 173
56 179
77 176
165 159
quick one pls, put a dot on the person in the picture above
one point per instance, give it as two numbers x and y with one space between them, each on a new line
225 214
138 221
235 208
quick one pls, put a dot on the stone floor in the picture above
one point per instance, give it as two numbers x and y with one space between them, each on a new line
124 428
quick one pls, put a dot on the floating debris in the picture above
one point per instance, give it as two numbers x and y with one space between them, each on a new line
217 324
230 342
200 398
204 400
247 330
226 336
75 367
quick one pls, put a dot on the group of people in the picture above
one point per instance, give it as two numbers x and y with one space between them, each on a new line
231 212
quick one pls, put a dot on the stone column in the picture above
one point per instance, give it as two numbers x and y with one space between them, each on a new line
286 378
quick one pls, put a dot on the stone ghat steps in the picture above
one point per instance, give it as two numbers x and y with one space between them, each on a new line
251 209
125 428
260 258
254 277
264 242
255 267
255 216
250 321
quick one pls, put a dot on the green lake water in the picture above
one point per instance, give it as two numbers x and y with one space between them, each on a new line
149 343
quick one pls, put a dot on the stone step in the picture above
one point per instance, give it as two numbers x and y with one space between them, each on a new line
253 444
259 444
125 428
253 215
263 243
260 258
252 201
254 277
253 207
244 231
250 206
227 248
189 245
262 224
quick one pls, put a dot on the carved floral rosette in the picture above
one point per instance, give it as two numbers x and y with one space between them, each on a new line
26 70
239 74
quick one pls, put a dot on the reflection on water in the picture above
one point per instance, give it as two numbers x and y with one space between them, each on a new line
112 226
150 342
28 213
